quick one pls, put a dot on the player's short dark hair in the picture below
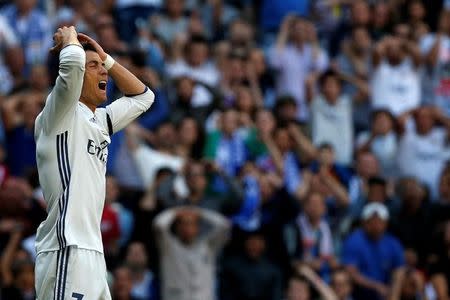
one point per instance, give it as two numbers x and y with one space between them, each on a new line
88 47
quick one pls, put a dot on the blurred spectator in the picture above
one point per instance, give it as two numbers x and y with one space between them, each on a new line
196 177
435 48
172 23
191 58
372 255
331 117
381 18
377 191
148 160
226 147
354 63
107 35
366 166
296 42
395 83
382 141
266 80
411 224
342 285
190 138
128 11
313 240
282 146
19 113
192 99
32 29
359 17
122 284
250 275
423 148
10 49
17 270
407 284
187 253
144 283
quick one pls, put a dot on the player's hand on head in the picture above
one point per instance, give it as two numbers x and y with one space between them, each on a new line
83 38
63 37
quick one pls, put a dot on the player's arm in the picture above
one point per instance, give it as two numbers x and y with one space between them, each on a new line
138 97
67 90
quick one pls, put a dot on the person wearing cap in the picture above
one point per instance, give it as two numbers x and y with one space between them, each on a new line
371 254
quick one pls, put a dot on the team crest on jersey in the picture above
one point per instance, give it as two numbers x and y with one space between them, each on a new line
100 151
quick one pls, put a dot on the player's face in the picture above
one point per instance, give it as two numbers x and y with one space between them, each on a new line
95 79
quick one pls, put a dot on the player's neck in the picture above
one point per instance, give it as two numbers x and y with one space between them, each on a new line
91 106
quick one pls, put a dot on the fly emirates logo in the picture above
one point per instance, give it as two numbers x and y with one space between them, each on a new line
98 150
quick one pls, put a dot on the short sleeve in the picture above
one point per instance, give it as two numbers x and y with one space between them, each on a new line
126 109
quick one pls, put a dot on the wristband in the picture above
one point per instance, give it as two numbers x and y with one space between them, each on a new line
108 62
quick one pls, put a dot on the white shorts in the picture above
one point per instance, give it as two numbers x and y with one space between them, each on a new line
71 273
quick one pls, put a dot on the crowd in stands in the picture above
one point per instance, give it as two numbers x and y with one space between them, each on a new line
296 149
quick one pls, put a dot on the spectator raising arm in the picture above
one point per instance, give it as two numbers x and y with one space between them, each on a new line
302 143
338 190
325 292
283 34
401 275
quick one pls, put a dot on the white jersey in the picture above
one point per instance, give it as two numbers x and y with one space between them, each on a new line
71 154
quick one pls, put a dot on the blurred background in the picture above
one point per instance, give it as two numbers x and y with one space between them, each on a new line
297 149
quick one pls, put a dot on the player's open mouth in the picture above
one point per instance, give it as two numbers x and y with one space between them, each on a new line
102 85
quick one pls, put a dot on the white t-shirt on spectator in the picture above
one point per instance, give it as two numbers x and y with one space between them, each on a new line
149 161
385 150
423 156
396 88
206 73
333 124
294 65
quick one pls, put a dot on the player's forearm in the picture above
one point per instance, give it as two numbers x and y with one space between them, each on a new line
126 81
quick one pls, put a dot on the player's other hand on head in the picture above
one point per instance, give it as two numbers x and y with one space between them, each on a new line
83 38
63 37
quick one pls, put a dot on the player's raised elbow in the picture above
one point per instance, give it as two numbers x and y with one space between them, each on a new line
72 59
146 99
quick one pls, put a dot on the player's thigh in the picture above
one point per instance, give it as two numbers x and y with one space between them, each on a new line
88 276
45 274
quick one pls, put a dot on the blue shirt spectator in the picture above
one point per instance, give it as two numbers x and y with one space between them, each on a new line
33 30
371 253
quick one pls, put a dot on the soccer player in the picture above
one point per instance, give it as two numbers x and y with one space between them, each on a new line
72 136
